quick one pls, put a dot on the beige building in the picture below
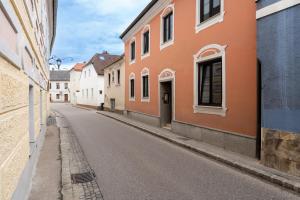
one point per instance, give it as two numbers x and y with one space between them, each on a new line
27 31
114 86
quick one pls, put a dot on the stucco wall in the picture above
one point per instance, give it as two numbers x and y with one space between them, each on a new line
74 86
115 91
88 82
237 31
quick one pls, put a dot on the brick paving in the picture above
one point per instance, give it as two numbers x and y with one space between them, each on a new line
75 162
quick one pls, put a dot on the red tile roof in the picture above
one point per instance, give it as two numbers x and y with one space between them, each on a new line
78 67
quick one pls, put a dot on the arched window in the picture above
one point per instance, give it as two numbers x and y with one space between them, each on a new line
132 50
145 42
132 87
145 88
167 26
210 80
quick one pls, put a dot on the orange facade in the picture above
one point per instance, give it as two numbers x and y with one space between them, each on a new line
233 38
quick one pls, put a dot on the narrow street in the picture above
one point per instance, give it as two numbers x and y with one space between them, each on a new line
132 165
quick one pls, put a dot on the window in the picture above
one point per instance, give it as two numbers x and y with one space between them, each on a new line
87 93
84 74
145 86
66 86
92 92
210 83
167 27
57 96
132 51
210 80
89 72
209 12
132 95
146 41
50 85
209 8
113 76
118 76
132 87
57 86
108 80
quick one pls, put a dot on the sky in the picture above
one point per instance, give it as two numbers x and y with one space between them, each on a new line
86 27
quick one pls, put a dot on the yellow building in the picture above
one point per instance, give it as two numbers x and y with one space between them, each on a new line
27 31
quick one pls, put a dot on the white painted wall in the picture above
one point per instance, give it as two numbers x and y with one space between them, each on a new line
62 91
115 91
74 86
91 85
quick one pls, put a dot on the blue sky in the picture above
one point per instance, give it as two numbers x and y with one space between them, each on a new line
85 27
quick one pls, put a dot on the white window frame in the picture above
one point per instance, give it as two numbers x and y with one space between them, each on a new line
166 11
217 51
211 21
132 77
145 72
145 29
130 51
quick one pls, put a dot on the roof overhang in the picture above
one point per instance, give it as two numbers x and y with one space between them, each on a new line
149 12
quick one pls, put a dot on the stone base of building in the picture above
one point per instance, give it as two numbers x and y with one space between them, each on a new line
25 182
115 111
232 142
147 119
281 151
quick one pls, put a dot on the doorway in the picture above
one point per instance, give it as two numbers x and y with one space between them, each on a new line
112 105
66 97
166 104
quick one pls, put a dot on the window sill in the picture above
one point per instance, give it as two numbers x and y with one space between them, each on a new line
132 62
145 100
209 22
166 44
211 110
131 99
145 55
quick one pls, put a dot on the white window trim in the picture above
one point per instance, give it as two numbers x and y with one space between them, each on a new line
145 72
275 7
163 44
130 50
132 77
145 29
198 59
5 51
209 22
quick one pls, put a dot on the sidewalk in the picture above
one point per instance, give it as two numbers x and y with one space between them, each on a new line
240 162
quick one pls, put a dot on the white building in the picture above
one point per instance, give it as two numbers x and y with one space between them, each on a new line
59 86
114 86
92 80
74 86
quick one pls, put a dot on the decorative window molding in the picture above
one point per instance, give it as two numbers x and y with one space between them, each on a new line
170 8
131 77
132 61
145 72
211 21
207 53
145 29
12 55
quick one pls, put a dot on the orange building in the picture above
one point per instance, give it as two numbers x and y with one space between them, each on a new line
191 67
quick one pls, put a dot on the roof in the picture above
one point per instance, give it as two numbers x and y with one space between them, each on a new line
59 75
101 61
78 67
117 60
137 19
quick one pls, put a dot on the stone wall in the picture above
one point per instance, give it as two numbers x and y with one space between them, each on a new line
281 150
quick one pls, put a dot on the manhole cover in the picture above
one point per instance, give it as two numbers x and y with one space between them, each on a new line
82 178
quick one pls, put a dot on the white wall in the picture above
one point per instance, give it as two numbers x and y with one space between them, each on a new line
62 91
115 91
90 86
74 86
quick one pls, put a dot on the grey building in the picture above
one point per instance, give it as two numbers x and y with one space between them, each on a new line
59 86
278 51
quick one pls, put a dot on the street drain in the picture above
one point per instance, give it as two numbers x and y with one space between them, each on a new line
82 178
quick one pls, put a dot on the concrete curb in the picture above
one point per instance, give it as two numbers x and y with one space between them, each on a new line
262 172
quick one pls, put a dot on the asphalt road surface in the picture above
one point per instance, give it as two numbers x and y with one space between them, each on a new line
132 165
